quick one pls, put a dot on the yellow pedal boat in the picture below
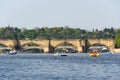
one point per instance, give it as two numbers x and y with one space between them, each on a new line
94 54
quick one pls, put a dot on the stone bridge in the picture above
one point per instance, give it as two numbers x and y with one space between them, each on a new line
77 43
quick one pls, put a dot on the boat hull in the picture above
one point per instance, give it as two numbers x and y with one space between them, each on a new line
60 54
106 53
94 54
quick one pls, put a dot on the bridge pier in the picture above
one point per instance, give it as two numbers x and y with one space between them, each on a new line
80 50
46 49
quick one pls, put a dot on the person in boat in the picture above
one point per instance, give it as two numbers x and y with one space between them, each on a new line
94 54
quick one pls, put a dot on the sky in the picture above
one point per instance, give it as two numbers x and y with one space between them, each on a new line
83 14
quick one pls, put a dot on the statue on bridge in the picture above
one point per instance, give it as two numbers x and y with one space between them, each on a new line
51 48
16 41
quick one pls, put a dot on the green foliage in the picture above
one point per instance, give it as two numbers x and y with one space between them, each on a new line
55 33
117 41
32 34
118 31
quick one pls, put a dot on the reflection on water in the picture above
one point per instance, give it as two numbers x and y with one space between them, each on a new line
50 67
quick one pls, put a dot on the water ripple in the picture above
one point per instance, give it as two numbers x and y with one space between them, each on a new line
49 67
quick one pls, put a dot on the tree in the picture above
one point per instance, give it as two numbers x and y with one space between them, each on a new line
117 41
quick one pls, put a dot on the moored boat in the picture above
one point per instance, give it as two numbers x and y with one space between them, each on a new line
13 52
60 54
106 53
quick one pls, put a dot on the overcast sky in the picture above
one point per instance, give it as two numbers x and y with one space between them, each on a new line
84 14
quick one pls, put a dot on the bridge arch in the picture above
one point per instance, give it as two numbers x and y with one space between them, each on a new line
99 44
65 47
32 47
98 47
109 43
29 44
4 48
64 44
3 45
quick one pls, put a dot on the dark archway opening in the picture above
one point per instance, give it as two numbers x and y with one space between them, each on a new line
98 47
4 49
32 48
65 48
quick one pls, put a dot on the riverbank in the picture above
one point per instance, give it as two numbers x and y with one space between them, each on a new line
117 50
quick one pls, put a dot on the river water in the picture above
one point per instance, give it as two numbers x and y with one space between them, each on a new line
50 67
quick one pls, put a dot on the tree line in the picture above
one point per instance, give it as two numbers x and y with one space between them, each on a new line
59 33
